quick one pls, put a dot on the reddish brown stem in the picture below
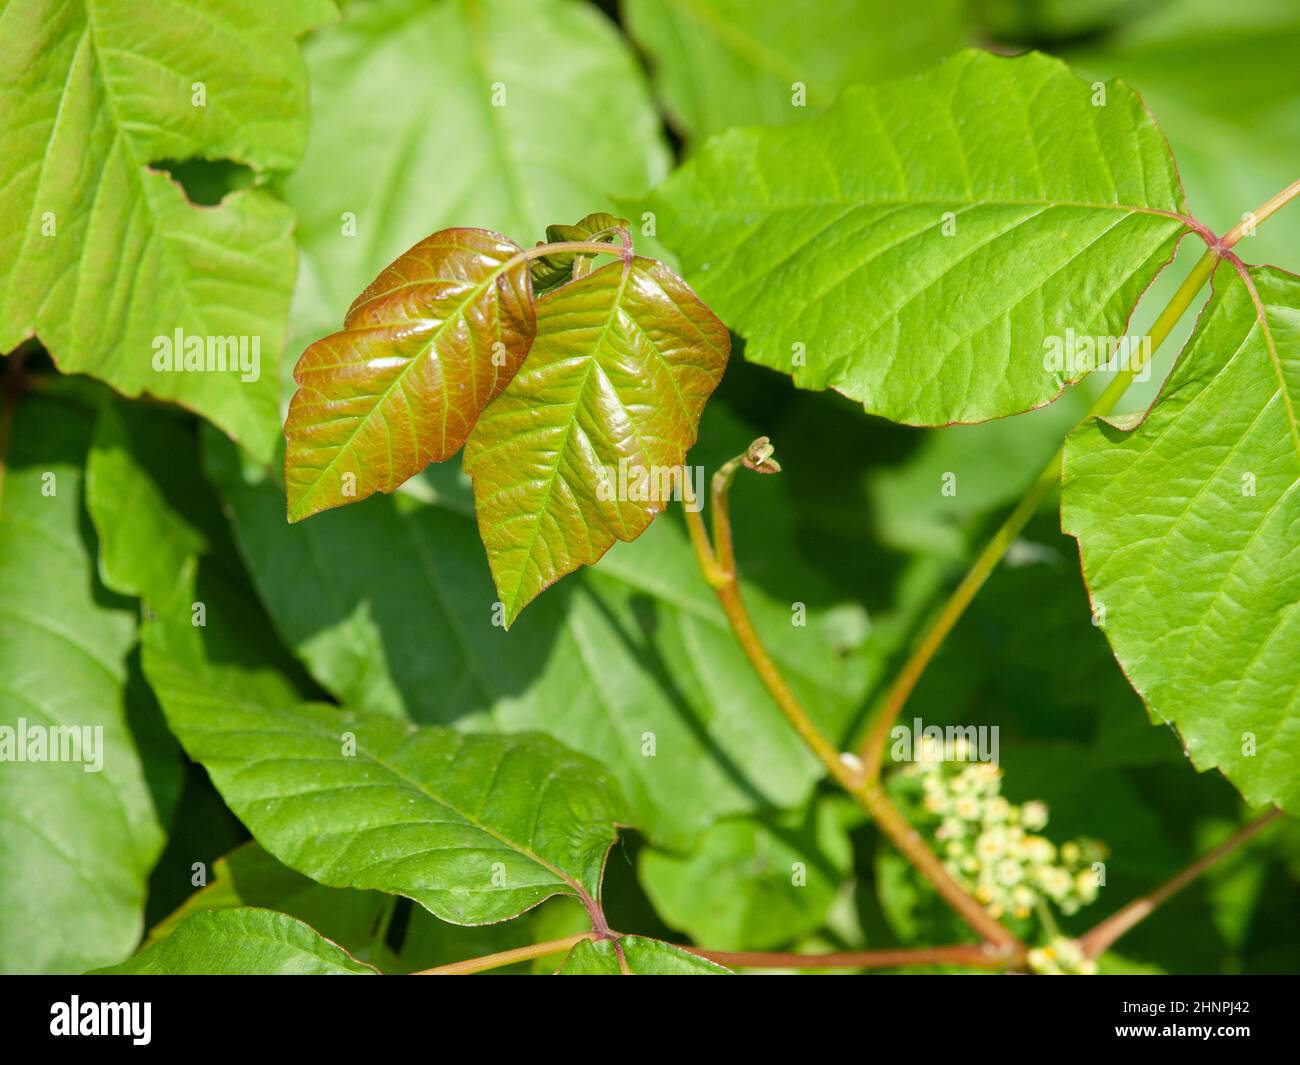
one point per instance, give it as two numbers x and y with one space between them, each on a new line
1104 934
969 956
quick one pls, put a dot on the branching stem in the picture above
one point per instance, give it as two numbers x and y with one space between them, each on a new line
973 957
1104 934
872 749
867 793
509 957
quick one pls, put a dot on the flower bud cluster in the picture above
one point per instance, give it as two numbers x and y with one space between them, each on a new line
994 847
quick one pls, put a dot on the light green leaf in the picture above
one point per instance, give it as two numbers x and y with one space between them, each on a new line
406 138
101 255
77 838
242 942
915 246
475 828
1187 524
721 63
612 391
755 883
390 606
641 956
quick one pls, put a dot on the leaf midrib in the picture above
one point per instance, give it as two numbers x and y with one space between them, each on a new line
312 728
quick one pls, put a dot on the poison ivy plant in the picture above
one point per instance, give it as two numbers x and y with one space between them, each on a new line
428 792
723 63
1186 523
242 941
101 254
430 343
76 813
914 246
578 414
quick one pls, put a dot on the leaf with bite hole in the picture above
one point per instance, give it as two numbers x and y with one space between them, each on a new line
430 343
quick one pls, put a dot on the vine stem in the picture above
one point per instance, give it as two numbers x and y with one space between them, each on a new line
872 748
1263 211
1100 937
867 793
509 957
974 957
588 247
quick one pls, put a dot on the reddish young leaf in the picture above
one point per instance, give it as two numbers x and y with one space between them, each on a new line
624 362
433 340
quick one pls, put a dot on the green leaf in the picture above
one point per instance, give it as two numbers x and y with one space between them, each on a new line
242 942
617 378
248 876
475 828
915 246
755 883
1186 524
84 838
722 63
430 343
101 254
406 139
389 604
140 464
642 957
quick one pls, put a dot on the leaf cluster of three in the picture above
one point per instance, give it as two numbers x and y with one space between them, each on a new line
551 396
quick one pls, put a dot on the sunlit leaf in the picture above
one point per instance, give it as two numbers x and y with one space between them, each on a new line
476 828
915 246
430 343
102 256
623 363
1187 525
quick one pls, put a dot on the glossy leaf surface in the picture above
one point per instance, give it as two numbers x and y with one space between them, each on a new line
624 361
475 828
430 343
916 245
